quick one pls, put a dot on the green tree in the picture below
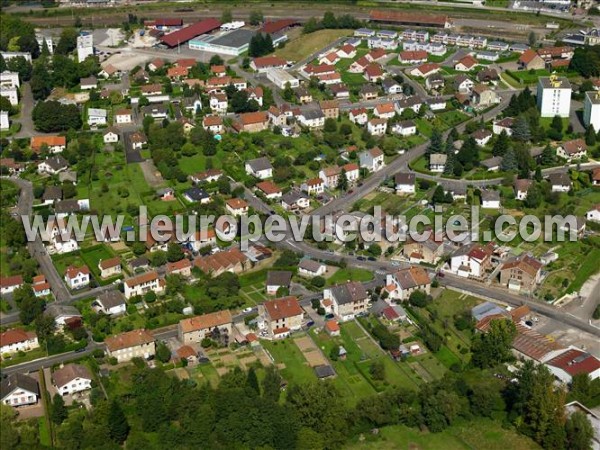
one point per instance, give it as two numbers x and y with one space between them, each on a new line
532 39
494 347
557 124
52 116
342 184
521 130
118 427
58 410
501 145
436 143
67 41
174 252
30 306
509 161
590 135
271 385
579 432
41 80
163 354
256 17
226 16
377 370
330 125
252 381
548 156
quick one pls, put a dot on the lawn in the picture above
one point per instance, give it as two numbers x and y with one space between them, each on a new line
349 274
307 44
289 359
93 255
477 434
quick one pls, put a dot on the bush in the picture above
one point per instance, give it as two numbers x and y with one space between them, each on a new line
318 282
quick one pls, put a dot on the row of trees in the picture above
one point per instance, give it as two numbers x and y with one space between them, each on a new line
330 21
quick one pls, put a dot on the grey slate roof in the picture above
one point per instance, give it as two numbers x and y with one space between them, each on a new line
349 293
18 381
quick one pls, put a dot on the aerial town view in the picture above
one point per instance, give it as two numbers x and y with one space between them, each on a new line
312 224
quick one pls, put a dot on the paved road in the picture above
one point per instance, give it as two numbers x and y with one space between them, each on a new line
27 103
38 251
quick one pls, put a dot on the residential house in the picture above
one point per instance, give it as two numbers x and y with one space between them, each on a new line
405 128
413 57
521 273
10 283
330 108
203 238
490 199
88 83
177 73
71 379
277 117
521 188
311 268
311 117
505 125
77 277
195 329
435 81
391 86
281 316
373 73
348 300
560 182
436 103
372 160
330 58
166 194
482 137
471 260
143 283
530 60
208 176
385 110
359 65
369 92
593 214
437 162
463 84
377 127
53 144
192 104
17 340
375 55
256 94
293 201
483 96
402 283
252 122
110 135
487 76
259 168
131 344
346 51
571 150
19 390
414 103
352 172
465 64
330 176
111 303
262 64
110 267
314 186
358 116
429 251
425 70
232 260
197 195
277 279
405 183
182 267
40 286
65 316
269 189
156 111
236 206
123 116
218 103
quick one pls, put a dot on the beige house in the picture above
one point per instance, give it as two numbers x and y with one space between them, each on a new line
252 122
404 282
143 283
281 316
521 273
429 251
131 344
110 267
197 328
347 300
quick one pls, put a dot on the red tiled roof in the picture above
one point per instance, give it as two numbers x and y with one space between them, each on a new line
408 17
254 117
268 187
185 34
468 61
141 279
278 25
282 308
128 339
210 320
15 335
269 61
73 271
332 326
112 262
178 265
415 55
236 203
13 280
50 141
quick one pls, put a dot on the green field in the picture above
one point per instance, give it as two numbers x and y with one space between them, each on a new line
289 359
307 44
477 434
349 274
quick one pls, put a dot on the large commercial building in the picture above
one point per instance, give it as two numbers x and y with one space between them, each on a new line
554 96
229 42
190 32
410 18
281 78
591 110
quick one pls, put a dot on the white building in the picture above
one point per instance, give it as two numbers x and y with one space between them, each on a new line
311 268
11 93
10 55
281 78
591 110
372 160
123 116
377 127
17 340
260 168
110 136
554 96
72 378
593 214
77 277
347 300
10 79
97 116
404 282
85 45
111 303
19 390
49 42
4 121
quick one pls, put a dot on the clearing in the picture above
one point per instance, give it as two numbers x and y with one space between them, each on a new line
307 44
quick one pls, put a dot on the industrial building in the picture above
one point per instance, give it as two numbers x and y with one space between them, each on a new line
281 78
190 32
228 43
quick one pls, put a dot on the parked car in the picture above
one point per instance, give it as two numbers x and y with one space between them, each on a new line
372 258
361 258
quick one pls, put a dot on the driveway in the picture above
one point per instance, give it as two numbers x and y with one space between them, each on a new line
27 103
